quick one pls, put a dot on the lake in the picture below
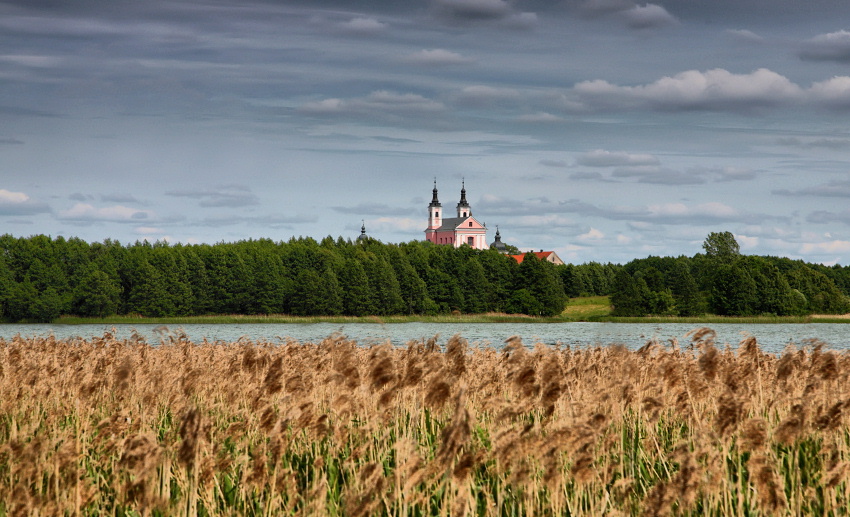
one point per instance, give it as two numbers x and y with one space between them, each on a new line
771 337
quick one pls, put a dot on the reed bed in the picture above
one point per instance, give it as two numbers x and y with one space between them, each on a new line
122 427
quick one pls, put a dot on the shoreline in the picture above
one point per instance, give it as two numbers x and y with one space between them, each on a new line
465 318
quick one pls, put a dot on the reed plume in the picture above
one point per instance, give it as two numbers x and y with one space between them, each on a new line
112 426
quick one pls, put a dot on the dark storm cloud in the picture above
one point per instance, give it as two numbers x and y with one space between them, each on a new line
232 196
834 46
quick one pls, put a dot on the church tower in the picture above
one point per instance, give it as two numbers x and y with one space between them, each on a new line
434 210
463 209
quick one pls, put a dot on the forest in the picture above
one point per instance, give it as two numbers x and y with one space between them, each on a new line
724 282
42 278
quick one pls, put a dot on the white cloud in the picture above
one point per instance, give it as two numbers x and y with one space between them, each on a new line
715 89
835 246
592 235
832 92
747 242
19 203
8 197
437 57
603 158
376 103
480 95
363 25
473 9
84 212
745 35
539 117
649 16
713 209
148 230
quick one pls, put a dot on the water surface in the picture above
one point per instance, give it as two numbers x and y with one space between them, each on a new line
771 337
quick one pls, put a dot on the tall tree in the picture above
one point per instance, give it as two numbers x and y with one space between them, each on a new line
721 245
686 293
630 295
97 294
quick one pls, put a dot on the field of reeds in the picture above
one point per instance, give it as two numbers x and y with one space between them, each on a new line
124 427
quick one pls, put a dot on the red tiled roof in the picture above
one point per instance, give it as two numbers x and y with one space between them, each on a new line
542 255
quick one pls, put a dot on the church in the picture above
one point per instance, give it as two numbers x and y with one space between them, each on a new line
456 231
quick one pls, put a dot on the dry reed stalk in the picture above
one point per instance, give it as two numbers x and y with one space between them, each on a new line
292 427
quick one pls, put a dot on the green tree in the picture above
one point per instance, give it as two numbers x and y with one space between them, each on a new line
522 301
629 295
356 294
97 294
47 306
686 294
385 287
475 287
721 245
541 280
733 291
149 293
22 295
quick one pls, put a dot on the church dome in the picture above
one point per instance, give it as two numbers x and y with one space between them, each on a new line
498 245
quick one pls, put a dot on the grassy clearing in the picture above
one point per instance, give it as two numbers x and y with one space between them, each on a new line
587 308
120 427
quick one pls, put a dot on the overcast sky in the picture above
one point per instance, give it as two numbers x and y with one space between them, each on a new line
606 130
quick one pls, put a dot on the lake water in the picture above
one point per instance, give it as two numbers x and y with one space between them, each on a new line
771 337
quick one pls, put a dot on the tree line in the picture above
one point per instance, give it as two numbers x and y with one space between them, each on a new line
724 282
42 278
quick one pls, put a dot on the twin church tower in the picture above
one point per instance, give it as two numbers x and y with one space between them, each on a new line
458 230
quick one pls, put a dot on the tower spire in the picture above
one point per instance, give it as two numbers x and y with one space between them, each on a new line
463 209
434 200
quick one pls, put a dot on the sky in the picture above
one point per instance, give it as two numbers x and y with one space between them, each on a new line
605 130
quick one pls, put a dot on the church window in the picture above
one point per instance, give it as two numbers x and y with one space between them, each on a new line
436 214
470 240
470 224
464 214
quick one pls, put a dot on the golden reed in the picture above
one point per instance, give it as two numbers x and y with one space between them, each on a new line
120 426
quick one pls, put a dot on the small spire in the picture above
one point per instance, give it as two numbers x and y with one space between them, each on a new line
363 235
434 200
463 193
